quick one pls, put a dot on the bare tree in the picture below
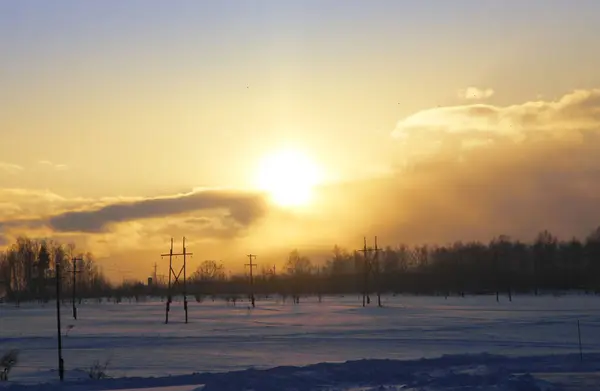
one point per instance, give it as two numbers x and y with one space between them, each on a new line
298 265
340 263
209 271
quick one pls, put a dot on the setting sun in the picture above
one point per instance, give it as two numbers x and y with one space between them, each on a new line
289 177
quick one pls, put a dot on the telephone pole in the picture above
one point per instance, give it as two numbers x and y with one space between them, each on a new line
175 278
185 303
74 281
319 293
367 268
377 273
252 266
61 363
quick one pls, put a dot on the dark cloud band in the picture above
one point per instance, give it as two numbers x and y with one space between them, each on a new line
244 208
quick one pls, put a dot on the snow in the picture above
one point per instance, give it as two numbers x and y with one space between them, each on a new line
174 388
419 343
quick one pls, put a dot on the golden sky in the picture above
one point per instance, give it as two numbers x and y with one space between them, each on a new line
125 124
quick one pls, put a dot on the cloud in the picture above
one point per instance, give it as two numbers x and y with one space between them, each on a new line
55 166
126 225
33 203
200 227
573 118
30 194
480 170
243 208
10 168
35 207
474 93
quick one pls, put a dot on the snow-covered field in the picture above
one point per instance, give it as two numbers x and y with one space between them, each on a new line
532 340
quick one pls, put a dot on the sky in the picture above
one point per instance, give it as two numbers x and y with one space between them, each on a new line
123 123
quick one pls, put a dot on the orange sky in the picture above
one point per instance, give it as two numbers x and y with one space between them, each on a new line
124 125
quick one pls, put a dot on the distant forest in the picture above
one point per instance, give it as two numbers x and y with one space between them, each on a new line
502 267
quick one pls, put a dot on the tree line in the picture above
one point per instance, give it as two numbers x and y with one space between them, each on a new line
28 271
501 266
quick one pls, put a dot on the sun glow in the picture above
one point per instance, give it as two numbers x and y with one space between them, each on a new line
289 176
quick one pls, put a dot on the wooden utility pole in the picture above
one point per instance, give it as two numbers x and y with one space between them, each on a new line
61 363
371 266
377 268
366 270
319 293
252 266
74 282
185 303
496 270
168 307
175 278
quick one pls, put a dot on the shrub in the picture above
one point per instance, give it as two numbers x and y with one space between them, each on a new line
7 362
98 371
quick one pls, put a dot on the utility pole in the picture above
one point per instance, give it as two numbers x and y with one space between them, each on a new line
319 293
174 277
154 276
168 308
185 303
61 364
496 270
252 266
377 273
366 265
74 272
